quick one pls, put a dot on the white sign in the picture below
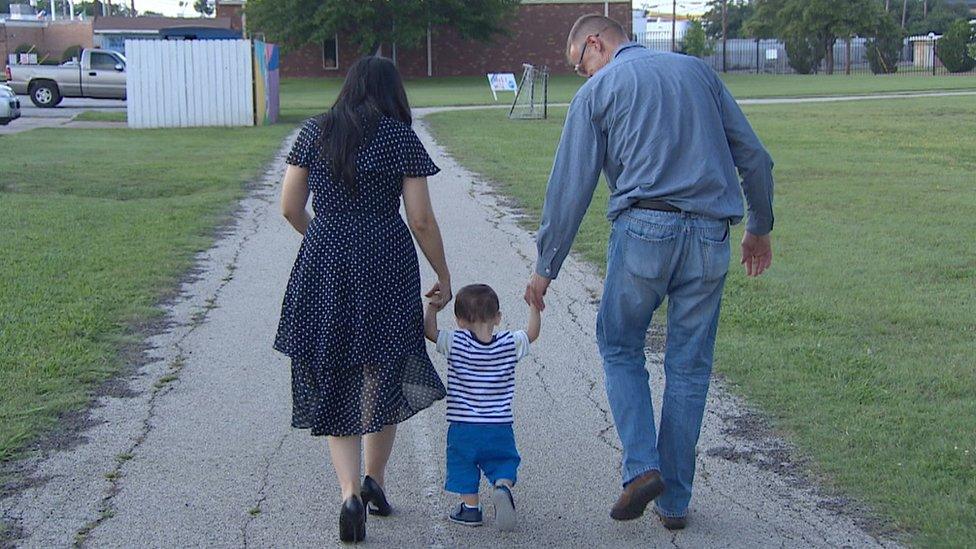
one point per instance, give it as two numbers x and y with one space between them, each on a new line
772 54
501 81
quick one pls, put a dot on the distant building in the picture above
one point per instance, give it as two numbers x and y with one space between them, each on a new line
112 32
537 35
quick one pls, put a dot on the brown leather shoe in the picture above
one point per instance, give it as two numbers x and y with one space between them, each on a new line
636 495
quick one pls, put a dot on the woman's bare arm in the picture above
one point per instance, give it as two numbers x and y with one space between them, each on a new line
294 196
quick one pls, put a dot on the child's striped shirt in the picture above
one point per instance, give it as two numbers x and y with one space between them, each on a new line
481 376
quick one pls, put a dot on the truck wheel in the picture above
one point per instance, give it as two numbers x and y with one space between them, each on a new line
45 94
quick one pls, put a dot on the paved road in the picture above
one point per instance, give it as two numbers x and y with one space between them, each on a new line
33 117
197 449
69 107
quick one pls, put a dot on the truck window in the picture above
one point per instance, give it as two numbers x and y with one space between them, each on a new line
103 61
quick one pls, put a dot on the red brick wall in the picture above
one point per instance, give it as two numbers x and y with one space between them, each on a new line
50 40
537 35
234 12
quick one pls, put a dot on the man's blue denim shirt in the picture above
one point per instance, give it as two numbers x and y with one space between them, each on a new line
661 126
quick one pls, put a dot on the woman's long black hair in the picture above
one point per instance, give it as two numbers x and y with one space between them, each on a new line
373 89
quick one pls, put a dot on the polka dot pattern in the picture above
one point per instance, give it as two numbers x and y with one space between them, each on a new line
352 319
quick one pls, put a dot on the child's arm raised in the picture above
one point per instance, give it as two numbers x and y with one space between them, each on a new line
430 322
535 324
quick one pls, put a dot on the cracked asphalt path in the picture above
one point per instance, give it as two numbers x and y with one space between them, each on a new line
200 453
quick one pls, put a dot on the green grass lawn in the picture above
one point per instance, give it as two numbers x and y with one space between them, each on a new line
304 97
102 116
860 343
91 242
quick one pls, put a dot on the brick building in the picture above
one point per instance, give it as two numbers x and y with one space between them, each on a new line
537 35
49 38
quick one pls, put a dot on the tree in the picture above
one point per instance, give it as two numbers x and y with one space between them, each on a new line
884 45
695 42
91 9
204 7
738 12
940 15
371 23
810 28
953 47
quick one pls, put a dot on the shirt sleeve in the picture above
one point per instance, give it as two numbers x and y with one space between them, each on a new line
575 173
303 150
444 340
753 162
415 162
521 344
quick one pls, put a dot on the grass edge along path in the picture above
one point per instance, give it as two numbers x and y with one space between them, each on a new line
93 242
859 343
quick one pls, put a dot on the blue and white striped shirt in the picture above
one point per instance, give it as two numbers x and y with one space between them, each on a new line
481 376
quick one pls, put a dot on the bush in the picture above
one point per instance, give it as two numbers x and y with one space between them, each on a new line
803 54
953 47
71 53
884 47
696 43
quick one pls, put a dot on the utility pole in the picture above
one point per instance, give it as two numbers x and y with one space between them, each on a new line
925 8
904 13
674 24
725 33
606 8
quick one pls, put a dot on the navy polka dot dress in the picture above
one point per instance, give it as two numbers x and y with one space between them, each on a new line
352 319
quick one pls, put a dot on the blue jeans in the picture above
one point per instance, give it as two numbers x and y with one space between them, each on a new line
651 255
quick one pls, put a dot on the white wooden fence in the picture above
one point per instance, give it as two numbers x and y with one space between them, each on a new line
186 83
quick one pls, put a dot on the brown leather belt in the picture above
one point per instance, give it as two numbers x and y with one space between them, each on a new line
657 205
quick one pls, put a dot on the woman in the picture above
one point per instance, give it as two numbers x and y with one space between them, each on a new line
351 320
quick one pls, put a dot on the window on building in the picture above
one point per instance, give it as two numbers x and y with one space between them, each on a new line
330 53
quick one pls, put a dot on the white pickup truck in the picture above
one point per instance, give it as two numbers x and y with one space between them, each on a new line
98 74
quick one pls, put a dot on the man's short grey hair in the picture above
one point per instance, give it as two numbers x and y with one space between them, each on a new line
593 24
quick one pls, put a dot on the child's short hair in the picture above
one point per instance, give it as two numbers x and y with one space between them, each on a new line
476 303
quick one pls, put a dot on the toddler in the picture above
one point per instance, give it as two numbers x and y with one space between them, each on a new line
480 387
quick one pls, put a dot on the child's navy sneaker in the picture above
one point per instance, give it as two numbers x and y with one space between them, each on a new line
468 516
504 508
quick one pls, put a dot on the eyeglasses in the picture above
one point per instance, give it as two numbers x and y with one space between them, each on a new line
579 64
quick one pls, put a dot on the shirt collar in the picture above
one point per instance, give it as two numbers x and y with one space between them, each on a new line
625 46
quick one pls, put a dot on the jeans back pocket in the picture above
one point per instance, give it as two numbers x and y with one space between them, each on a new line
648 248
716 252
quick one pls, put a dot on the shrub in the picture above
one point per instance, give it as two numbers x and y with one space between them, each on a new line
953 47
884 46
803 54
696 43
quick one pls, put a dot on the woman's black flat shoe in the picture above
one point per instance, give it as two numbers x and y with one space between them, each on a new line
374 499
352 521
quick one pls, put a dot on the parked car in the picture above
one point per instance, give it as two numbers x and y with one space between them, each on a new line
9 105
98 74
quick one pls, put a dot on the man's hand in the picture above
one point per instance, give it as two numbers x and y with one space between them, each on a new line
535 290
757 253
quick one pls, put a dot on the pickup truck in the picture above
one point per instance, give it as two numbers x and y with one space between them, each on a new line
98 74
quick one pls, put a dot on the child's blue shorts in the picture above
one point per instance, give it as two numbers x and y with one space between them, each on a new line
475 448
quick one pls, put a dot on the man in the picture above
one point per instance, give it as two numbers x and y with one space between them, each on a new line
669 137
